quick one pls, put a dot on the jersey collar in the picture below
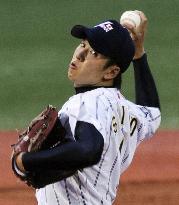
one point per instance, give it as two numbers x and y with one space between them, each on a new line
85 89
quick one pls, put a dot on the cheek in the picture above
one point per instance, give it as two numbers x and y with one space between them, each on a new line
91 71
93 76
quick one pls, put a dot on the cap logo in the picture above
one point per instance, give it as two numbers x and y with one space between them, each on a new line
106 26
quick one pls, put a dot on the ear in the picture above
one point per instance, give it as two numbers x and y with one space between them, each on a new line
111 72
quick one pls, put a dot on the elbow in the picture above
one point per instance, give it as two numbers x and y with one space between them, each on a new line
91 156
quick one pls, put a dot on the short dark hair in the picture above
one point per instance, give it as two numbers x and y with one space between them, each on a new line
118 79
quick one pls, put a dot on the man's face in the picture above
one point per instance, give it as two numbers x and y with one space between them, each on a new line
87 66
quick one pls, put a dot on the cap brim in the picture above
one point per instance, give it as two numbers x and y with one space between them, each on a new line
79 31
86 33
83 32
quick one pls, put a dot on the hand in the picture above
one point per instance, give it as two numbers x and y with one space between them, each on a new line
138 34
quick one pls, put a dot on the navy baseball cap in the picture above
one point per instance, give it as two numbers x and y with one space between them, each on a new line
110 39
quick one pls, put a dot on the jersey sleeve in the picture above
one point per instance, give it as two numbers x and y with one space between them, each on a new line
86 108
143 122
92 110
148 120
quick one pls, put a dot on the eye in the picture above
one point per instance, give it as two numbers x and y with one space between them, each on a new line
94 53
82 44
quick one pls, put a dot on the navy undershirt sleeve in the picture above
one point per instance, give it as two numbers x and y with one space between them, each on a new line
85 151
145 88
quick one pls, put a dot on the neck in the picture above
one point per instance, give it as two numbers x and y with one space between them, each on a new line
102 83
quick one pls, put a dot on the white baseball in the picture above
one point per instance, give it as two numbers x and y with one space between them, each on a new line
131 17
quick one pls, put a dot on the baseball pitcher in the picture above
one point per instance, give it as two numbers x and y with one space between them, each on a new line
102 128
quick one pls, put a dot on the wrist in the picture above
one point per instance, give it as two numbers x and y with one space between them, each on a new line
139 53
18 162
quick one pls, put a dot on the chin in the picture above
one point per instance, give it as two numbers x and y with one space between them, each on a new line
70 77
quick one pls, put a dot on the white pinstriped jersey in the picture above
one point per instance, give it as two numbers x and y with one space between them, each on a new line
123 126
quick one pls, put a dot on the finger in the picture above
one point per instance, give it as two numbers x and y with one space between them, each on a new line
143 20
35 120
131 28
134 33
128 26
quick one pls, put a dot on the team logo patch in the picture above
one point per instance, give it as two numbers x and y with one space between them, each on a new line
106 26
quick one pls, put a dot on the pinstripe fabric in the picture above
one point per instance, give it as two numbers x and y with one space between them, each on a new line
123 126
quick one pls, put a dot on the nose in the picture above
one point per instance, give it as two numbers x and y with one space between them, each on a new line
80 55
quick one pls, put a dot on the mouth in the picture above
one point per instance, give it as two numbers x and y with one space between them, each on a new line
73 66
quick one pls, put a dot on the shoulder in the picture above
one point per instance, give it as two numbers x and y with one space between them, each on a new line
98 97
142 110
101 94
